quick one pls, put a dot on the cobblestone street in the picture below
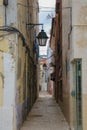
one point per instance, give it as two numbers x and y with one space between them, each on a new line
45 115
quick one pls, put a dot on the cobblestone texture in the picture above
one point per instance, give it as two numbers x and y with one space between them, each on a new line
45 115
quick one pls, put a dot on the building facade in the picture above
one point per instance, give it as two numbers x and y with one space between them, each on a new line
58 49
43 74
71 92
18 61
51 59
78 60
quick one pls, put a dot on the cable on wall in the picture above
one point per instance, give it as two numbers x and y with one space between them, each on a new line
15 30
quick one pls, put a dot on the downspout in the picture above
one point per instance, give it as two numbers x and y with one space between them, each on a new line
69 37
28 9
5 17
70 28
5 3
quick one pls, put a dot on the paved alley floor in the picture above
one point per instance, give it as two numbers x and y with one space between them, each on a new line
45 115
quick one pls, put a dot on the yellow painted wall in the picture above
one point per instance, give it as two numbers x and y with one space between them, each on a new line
4 45
21 63
1 2
28 33
1 13
22 21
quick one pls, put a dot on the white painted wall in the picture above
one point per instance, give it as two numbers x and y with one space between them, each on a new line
7 111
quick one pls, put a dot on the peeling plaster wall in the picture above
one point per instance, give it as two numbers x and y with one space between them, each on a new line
8 48
14 63
23 87
7 81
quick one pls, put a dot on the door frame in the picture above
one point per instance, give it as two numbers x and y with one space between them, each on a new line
77 75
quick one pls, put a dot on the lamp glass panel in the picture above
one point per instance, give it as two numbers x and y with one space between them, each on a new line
42 42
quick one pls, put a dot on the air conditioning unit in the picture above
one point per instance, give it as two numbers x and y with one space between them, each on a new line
5 2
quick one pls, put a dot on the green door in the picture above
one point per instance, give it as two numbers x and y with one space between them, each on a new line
78 67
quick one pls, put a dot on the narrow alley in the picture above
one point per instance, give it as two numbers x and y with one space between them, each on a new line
43 64
45 115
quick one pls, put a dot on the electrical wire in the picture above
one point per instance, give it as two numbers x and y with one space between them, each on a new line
15 30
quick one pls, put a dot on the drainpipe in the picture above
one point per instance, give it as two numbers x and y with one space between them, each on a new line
5 3
70 28
5 17
28 9
69 37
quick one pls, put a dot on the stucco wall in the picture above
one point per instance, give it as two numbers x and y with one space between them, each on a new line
79 26
66 25
78 48
7 81
15 63
74 14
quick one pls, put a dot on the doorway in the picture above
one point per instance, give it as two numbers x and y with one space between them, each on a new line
78 94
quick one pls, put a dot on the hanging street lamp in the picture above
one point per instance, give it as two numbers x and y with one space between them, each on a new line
44 66
42 36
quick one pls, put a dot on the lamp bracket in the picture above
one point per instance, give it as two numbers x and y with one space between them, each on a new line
32 25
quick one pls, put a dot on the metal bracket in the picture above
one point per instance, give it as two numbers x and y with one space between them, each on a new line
32 25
